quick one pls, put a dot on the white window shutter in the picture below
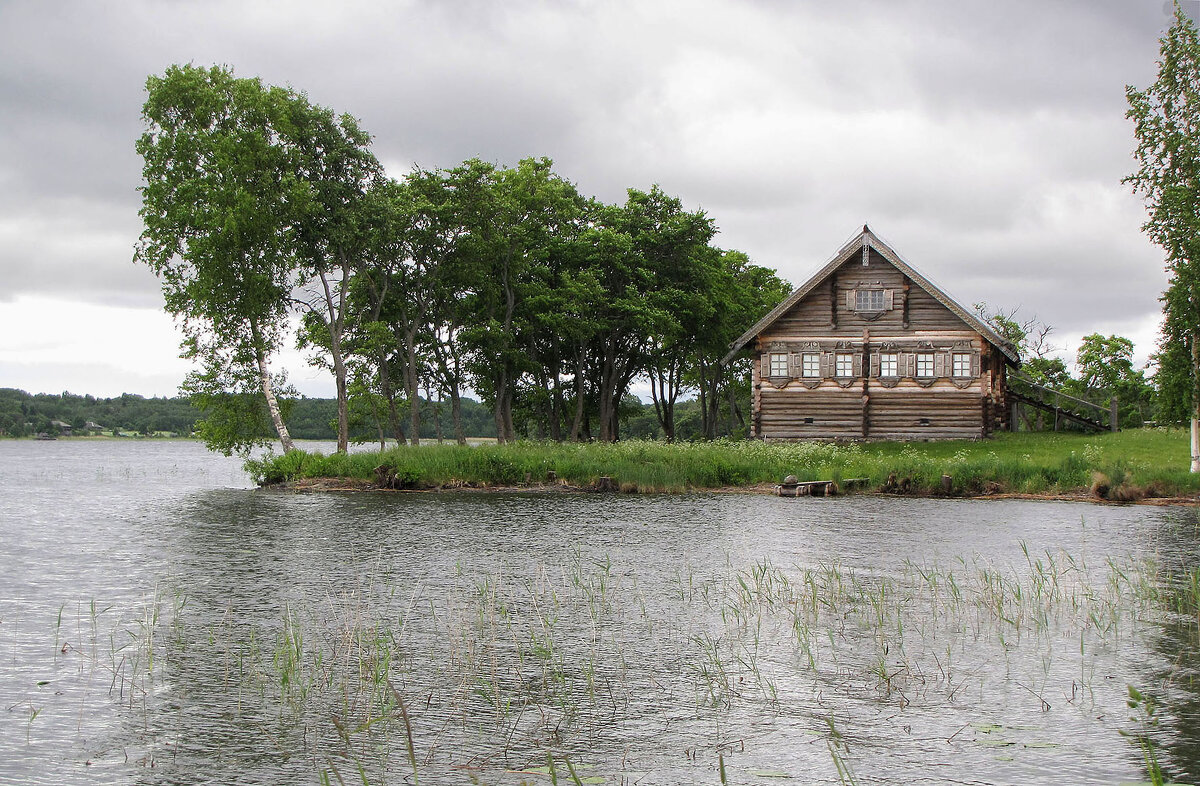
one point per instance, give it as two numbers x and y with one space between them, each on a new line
889 299
857 365
875 364
826 364
766 366
941 361
974 364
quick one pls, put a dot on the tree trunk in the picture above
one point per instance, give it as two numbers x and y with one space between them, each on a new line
343 406
556 409
498 405
456 415
336 315
608 396
1195 402
413 385
661 395
577 421
264 375
437 418
733 407
714 409
385 385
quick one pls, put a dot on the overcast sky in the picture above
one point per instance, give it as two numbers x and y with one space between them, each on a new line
985 141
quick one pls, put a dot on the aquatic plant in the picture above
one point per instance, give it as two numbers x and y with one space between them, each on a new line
525 663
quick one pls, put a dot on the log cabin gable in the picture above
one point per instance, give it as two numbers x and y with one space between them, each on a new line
866 285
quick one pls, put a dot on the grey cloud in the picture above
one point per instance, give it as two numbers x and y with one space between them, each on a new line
944 124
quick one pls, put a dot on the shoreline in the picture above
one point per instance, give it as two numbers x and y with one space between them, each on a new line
335 484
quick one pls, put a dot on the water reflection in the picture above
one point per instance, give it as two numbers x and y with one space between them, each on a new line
1176 684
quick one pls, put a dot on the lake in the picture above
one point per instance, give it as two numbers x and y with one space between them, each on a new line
161 621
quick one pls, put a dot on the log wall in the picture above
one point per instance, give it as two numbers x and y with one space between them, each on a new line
867 406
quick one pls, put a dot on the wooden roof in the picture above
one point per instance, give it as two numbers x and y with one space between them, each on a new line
855 246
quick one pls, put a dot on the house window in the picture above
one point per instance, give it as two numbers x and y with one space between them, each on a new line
844 365
810 364
889 364
868 300
924 364
779 364
962 364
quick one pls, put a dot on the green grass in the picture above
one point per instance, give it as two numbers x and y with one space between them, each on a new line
1122 466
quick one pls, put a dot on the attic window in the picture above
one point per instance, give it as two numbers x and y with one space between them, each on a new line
868 300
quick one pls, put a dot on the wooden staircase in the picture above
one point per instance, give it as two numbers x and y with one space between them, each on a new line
1024 391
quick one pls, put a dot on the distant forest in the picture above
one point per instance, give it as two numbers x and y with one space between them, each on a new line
24 414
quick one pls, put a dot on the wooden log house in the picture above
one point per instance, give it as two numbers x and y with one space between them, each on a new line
869 348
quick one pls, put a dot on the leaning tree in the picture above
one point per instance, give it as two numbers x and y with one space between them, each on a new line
217 193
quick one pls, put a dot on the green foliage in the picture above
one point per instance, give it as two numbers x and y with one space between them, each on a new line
219 202
1106 367
547 304
1166 118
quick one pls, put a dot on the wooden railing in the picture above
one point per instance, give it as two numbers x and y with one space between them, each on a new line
1024 391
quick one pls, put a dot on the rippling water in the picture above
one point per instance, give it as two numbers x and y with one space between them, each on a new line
163 622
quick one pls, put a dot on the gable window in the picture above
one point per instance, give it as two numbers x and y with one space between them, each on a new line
844 365
779 364
889 364
868 300
810 364
962 364
925 364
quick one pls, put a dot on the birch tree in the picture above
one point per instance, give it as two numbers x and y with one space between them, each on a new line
218 183
1166 118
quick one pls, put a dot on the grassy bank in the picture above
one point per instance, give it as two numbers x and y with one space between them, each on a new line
1123 466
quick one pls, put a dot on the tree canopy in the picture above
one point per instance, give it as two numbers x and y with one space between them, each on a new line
262 209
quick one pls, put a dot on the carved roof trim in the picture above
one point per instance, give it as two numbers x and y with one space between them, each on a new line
868 238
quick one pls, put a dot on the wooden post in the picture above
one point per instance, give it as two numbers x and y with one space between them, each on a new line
1014 423
1114 420
866 383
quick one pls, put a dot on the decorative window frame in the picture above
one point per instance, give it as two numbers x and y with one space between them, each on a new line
867 311
958 350
779 364
889 380
924 364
